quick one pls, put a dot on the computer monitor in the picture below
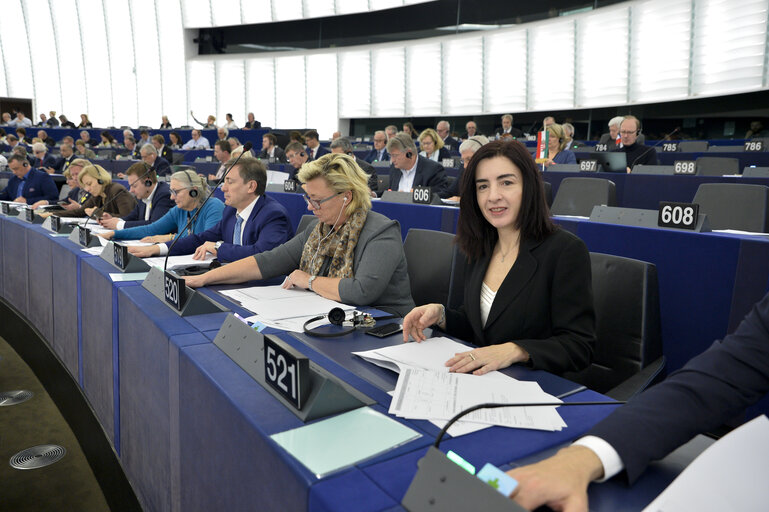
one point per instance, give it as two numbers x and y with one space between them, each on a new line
613 161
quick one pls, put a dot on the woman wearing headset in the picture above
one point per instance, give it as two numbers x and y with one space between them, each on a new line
352 255
188 190
556 145
104 196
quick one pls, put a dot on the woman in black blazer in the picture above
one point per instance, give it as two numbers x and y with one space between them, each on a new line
528 297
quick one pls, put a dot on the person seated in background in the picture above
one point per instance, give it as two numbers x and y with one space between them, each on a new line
568 135
252 123
251 221
153 199
471 130
508 128
21 133
144 138
352 255
105 196
235 143
84 151
159 143
28 185
296 136
443 129
314 149
229 122
222 153
612 138
22 121
189 191
711 389
409 170
45 139
635 151
297 157
546 122
197 141
66 123
43 159
336 135
130 145
344 146
222 133
528 295
175 140
432 146
86 138
3 137
76 195
67 156
85 122
390 131
408 128
52 122
107 140
270 149
158 164
165 124
556 147
379 152
209 125
467 149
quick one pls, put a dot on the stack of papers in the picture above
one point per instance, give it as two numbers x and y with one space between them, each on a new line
286 309
426 390
177 262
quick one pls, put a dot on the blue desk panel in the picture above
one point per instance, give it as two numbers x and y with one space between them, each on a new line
39 272
15 260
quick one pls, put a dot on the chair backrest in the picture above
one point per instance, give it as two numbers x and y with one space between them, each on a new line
734 206
393 196
304 222
693 146
667 170
627 311
717 166
382 183
577 196
548 191
177 158
429 257
756 172
109 154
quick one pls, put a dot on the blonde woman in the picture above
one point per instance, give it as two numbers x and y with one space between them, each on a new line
431 146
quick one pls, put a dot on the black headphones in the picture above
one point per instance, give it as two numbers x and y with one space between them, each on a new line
409 154
193 190
148 182
337 316
99 181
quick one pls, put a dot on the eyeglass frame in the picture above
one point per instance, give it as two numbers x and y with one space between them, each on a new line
315 203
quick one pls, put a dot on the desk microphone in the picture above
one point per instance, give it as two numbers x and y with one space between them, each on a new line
246 148
498 405
663 139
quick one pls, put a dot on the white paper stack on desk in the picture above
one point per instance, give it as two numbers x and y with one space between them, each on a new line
426 390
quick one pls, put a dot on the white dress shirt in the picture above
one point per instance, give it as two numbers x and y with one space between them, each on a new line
407 178
147 207
612 464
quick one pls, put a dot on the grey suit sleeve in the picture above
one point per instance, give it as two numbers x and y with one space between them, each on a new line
283 259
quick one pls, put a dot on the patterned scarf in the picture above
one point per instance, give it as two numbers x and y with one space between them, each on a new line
339 246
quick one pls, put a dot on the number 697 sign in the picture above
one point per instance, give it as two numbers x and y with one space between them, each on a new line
678 215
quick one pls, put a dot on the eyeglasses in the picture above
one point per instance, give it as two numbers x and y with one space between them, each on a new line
627 133
177 191
316 203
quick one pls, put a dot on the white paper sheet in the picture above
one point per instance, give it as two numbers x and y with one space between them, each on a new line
177 262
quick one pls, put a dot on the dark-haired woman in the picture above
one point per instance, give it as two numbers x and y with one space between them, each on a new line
528 297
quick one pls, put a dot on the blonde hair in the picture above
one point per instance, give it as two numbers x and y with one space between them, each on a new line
557 131
341 174
96 172
429 132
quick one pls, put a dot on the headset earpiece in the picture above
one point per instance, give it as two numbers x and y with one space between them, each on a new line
409 154
99 181
148 182
193 192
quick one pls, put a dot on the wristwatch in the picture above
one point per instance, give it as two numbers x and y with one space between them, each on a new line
309 283
217 245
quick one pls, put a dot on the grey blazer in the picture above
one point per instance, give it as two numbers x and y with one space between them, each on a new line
381 278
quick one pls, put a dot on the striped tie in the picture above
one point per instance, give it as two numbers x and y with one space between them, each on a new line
236 235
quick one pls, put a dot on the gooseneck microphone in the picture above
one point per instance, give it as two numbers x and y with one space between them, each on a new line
246 148
666 137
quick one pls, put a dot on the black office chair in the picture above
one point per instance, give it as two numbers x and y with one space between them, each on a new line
429 257
577 196
628 352
106 154
177 158
304 222
383 183
693 146
717 166
548 191
735 206
756 172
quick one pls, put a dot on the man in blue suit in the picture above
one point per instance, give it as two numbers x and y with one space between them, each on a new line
409 170
154 199
711 389
251 222
379 153
158 164
314 149
28 185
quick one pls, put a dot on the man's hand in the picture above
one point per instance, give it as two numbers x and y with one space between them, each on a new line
108 221
200 252
21 199
559 482
144 251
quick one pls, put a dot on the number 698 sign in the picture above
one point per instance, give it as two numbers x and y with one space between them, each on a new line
678 215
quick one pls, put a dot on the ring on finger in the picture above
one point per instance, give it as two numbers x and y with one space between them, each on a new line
471 356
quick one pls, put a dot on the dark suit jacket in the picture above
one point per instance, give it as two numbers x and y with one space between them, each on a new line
48 161
252 126
167 154
373 179
321 151
373 155
280 155
451 144
515 132
711 389
68 124
161 167
38 185
267 227
544 305
428 174
161 203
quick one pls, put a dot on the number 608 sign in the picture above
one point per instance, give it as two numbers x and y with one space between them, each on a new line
678 215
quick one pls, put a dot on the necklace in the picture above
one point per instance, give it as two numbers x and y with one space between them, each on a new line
504 254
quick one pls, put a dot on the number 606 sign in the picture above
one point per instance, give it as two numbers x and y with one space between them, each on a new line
678 215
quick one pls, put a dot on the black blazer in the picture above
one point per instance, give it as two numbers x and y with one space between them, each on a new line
167 154
451 144
161 203
428 174
544 305
280 155
712 388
